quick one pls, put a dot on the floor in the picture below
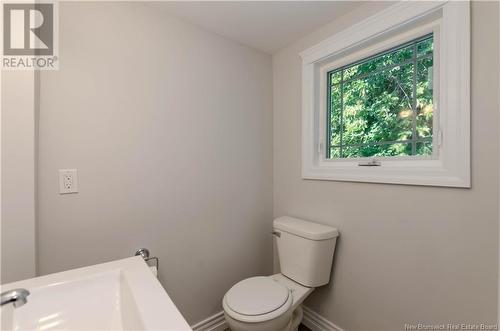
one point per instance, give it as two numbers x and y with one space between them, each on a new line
302 327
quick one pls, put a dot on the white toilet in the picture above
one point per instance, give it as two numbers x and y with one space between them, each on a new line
272 303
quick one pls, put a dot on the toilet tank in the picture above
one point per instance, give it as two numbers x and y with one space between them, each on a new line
305 250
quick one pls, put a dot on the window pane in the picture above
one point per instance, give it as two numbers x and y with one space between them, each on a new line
396 149
379 62
383 106
335 116
335 77
335 152
424 147
425 47
379 107
424 98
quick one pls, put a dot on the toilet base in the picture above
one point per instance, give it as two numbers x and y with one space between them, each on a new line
276 324
296 319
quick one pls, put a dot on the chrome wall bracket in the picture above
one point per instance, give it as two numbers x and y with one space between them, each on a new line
144 253
18 297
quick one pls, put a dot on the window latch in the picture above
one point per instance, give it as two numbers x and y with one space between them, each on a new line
371 163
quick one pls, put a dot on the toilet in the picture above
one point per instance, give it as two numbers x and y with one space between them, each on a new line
273 303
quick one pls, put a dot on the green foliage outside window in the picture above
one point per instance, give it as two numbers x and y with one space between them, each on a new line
383 106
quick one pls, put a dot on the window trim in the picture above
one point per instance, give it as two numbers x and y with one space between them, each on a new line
450 162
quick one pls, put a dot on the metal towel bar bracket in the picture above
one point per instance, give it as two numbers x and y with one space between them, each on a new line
144 253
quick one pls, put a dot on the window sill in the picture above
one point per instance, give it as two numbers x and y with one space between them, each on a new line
421 172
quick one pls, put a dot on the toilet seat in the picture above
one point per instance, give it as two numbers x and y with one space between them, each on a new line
257 299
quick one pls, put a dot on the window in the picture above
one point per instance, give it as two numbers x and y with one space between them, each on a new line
387 100
382 106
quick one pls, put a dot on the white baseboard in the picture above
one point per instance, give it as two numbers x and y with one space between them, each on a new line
213 323
316 322
311 319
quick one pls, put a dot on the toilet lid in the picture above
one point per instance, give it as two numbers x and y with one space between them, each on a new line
256 296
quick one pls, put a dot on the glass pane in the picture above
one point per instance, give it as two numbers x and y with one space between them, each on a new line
425 110
379 62
379 108
335 152
335 115
376 105
335 77
397 149
425 47
424 148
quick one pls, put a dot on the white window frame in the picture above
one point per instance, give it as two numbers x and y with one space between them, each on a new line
449 21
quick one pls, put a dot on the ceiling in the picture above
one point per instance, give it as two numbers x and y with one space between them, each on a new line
265 25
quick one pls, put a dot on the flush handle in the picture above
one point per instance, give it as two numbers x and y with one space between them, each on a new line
276 234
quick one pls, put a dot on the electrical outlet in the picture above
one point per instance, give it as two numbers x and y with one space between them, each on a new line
68 181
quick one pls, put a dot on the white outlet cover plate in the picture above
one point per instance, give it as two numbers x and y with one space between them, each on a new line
68 181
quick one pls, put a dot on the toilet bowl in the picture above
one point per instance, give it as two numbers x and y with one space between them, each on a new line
272 303
265 304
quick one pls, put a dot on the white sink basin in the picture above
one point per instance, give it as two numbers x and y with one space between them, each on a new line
119 295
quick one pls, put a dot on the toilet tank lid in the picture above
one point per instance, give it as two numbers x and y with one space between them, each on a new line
305 229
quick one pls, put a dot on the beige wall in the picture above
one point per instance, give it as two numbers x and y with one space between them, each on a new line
406 254
169 127
18 175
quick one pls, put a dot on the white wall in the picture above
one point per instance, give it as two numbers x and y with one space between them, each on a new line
18 175
170 128
406 254
498 302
